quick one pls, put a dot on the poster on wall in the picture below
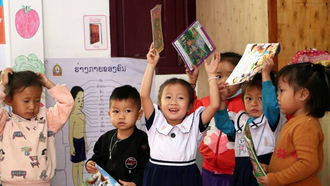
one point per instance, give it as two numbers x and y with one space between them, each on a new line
2 24
26 35
3 57
95 32
91 82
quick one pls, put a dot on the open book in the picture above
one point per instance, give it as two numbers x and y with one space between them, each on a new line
193 45
101 178
252 60
156 25
258 171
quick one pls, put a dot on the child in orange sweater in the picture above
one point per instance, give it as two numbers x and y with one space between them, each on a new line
303 92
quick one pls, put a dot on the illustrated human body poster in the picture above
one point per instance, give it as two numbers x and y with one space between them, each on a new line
91 82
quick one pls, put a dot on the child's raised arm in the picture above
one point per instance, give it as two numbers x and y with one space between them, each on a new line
269 101
267 67
193 76
211 70
152 58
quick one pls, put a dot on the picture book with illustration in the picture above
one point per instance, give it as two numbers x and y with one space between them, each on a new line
156 25
194 45
101 178
252 60
257 169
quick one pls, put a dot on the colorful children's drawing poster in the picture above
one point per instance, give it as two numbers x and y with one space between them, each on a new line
194 45
251 61
2 24
156 25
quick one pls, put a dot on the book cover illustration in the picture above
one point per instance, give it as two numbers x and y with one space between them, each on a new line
193 45
156 25
101 178
258 171
251 61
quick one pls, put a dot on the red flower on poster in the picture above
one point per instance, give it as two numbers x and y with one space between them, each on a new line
27 22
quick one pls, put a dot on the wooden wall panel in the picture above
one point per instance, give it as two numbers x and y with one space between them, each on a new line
231 25
302 24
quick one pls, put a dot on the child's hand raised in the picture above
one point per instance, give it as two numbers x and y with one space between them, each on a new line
45 81
4 76
211 68
267 67
153 55
192 76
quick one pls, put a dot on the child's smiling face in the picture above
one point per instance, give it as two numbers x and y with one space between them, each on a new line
174 103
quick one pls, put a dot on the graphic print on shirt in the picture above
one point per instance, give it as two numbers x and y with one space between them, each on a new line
34 161
26 150
2 155
43 175
42 137
18 173
18 134
241 146
282 153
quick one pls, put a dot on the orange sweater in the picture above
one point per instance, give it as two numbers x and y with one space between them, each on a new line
298 154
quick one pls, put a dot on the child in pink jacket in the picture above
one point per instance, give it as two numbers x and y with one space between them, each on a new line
27 142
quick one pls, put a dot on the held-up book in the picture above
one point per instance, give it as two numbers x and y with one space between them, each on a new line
252 60
257 169
193 45
156 26
101 178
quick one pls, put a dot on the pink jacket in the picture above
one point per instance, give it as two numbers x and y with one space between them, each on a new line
27 147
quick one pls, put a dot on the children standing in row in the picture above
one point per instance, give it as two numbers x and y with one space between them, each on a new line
174 136
263 118
303 92
24 160
124 151
217 151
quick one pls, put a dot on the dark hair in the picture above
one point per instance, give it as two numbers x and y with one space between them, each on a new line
18 81
255 82
126 92
182 82
315 78
231 57
75 90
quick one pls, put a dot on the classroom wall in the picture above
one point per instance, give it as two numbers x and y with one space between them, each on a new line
231 25
302 24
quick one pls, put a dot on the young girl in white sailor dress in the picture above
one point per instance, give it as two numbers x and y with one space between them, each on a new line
263 118
174 136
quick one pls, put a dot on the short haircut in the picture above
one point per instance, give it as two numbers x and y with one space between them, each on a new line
18 81
231 57
182 82
126 92
75 90
255 82
315 78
